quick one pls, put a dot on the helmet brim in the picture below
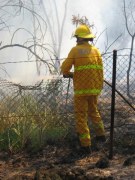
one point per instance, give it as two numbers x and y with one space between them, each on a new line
88 36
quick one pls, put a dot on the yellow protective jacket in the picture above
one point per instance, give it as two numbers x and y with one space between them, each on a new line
88 69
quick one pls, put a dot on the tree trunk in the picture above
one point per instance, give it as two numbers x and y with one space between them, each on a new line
129 67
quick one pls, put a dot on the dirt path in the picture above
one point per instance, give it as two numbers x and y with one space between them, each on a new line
57 163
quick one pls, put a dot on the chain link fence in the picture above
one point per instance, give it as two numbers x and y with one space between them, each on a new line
33 115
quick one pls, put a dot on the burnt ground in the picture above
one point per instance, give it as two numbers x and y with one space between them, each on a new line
62 162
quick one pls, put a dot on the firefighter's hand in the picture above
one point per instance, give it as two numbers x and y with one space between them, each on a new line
68 76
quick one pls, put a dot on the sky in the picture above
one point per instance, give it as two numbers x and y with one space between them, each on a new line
105 14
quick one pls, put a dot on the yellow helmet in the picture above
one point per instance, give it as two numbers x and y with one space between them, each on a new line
83 31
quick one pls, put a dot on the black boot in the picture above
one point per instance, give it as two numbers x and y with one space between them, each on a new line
84 151
100 142
100 138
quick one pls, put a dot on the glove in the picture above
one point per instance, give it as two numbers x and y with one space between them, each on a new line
68 76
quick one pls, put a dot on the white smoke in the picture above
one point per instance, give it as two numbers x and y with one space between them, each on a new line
105 14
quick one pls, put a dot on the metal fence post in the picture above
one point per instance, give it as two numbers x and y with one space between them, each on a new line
113 102
67 91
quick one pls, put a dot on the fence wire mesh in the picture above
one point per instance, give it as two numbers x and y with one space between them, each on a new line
44 112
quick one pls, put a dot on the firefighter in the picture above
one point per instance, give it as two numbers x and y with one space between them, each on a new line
88 83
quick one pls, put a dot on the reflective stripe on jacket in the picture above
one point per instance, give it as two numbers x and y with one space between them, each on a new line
88 69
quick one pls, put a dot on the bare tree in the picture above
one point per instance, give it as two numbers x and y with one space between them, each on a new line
129 15
55 32
34 39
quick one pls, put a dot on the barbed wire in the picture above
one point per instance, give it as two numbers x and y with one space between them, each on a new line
52 59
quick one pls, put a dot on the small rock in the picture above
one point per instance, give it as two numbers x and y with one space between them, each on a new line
24 164
71 175
102 163
18 160
54 176
128 162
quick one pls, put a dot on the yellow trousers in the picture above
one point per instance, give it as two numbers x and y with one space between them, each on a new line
86 107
